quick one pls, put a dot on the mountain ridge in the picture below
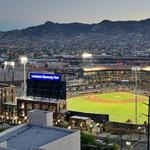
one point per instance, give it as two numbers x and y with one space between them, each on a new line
123 36
50 23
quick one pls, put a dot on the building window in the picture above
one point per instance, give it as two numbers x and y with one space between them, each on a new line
52 108
22 105
29 106
36 106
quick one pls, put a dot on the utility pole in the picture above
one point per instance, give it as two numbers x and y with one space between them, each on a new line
148 123
148 127
136 95
121 141
136 69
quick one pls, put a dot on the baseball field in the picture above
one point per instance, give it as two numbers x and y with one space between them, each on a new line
119 105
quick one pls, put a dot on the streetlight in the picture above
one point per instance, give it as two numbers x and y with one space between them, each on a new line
81 126
12 63
69 127
19 122
135 69
139 129
24 61
87 56
91 126
59 122
2 118
25 118
128 143
15 119
98 127
7 119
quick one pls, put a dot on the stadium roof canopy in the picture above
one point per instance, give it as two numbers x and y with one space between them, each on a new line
113 67
95 69
147 68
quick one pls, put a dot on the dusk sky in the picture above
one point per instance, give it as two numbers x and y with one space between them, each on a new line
18 14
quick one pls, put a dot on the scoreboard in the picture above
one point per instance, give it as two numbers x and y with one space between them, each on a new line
46 85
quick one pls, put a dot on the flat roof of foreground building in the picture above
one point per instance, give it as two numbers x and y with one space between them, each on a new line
32 136
39 134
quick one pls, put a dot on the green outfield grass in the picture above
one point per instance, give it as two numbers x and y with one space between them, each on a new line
119 112
118 96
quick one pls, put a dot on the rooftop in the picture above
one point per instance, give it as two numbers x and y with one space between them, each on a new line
2 85
81 118
23 138
38 99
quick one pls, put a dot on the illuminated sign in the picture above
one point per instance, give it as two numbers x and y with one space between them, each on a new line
41 76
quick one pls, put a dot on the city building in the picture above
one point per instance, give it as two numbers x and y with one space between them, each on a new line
7 103
39 134
25 104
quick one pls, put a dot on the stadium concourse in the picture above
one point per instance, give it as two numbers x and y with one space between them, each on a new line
108 78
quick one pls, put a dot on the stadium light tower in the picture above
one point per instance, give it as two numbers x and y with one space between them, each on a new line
5 64
24 61
5 67
87 56
12 64
136 69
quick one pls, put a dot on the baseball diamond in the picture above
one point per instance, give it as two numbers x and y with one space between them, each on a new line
119 105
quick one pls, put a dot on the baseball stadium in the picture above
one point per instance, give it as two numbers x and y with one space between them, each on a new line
119 91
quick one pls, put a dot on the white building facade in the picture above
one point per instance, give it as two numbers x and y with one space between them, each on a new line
39 134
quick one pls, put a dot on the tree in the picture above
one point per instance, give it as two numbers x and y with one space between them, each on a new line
112 147
88 139
115 147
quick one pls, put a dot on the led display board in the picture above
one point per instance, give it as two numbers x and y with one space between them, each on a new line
41 76
46 85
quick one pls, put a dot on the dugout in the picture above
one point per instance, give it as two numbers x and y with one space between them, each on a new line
99 118
79 121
